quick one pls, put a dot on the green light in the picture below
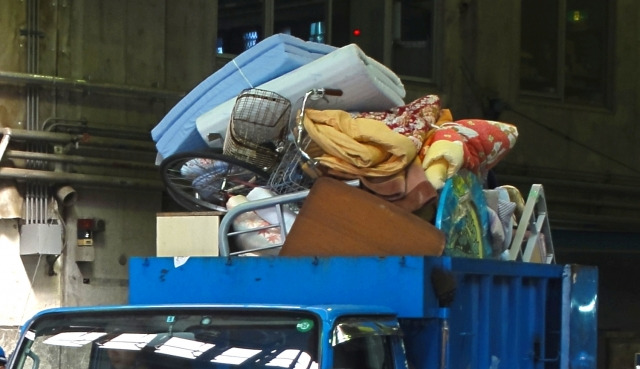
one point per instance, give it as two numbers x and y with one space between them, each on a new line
576 16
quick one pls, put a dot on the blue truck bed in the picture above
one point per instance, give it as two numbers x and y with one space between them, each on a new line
402 283
487 308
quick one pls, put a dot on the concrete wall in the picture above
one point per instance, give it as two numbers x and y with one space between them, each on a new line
586 156
132 45
26 284
129 230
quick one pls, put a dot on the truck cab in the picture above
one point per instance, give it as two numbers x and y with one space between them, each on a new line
212 336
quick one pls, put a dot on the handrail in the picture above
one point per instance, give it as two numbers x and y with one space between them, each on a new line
277 202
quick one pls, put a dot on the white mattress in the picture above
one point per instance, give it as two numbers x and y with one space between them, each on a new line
367 85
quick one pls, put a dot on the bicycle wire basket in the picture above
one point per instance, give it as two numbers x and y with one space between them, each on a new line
297 171
257 128
290 174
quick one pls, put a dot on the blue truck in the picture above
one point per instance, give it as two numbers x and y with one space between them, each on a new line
394 312
327 312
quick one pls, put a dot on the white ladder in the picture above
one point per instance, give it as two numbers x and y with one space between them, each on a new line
533 229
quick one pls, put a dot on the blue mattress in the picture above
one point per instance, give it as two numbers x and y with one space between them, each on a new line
270 58
366 85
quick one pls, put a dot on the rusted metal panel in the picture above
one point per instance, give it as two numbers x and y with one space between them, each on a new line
12 101
11 55
145 40
167 45
195 25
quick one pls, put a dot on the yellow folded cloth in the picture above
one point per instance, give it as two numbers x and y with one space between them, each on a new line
359 146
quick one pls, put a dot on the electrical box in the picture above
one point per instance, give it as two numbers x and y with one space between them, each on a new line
87 228
41 238
85 253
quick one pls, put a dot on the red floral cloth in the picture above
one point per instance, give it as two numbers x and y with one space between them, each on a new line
485 142
445 146
413 120
474 144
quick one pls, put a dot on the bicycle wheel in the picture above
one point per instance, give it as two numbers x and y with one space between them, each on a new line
204 181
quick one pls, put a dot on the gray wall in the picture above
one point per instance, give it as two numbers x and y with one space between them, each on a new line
122 64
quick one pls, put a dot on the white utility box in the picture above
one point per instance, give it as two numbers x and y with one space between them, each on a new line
41 238
187 234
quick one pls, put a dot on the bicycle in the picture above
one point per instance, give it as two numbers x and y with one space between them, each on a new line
265 146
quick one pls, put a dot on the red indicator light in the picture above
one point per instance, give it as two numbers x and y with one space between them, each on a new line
85 224
356 32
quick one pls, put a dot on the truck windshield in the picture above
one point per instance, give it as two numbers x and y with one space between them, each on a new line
163 339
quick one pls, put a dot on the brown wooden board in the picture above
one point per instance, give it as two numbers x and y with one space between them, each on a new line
339 219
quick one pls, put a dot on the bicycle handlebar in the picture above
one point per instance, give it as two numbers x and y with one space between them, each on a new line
332 91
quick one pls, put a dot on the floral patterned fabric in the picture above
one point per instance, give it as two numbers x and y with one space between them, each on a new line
257 239
358 146
444 146
474 144
413 120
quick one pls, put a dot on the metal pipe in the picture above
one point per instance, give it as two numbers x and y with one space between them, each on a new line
4 143
35 191
100 132
622 204
54 124
593 222
83 85
49 177
110 153
47 124
609 187
63 138
79 160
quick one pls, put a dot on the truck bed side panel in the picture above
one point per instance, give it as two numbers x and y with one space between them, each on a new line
480 312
